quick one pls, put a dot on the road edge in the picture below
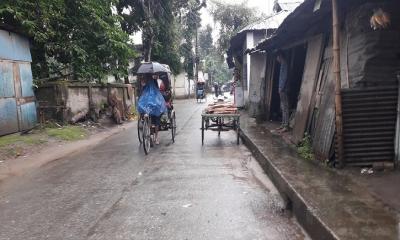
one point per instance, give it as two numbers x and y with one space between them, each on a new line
312 224
23 165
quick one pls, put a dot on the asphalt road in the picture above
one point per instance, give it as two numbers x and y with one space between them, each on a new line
178 191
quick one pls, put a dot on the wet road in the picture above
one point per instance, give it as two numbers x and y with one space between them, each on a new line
179 191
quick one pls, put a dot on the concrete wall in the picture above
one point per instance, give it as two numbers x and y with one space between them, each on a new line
257 79
252 71
100 97
246 72
77 100
180 85
64 101
249 44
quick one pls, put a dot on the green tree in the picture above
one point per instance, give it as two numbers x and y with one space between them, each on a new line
231 18
71 38
167 28
205 41
213 61
190 22
216 67
166 46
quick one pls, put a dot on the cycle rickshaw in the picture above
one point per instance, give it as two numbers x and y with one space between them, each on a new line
200 91
168 120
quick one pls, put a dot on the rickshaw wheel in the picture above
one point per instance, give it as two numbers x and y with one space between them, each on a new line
146 135
140 130
173 125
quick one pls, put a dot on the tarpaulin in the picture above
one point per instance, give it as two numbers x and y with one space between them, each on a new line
151 101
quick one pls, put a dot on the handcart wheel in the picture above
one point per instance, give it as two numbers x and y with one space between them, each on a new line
146 135
173 125
140 130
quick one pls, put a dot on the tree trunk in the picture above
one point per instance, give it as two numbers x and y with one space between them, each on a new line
147 47
148 34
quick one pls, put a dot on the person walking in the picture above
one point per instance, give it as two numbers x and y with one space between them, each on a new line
216 89
283 90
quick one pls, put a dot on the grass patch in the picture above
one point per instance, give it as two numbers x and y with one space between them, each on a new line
305 148
15 145
67 133
31 139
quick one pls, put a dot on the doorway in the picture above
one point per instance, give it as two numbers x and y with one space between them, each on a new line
295 58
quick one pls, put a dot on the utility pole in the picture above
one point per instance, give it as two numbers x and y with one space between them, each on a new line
148 32
196 59
197 56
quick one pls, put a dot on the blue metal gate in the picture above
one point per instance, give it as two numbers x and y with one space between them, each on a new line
17 100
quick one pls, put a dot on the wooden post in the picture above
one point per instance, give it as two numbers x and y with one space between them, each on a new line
336 72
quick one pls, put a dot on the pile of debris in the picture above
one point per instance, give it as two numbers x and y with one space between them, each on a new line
221 108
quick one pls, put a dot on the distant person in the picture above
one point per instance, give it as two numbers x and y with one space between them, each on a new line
283 90
216 89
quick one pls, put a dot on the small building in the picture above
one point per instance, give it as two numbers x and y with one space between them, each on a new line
370 59
181 85
17 100
250 69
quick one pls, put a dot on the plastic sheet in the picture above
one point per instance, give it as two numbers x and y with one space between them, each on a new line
151 101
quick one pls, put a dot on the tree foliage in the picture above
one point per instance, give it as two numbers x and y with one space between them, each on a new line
231 18
212 61
190 22
166 46
216 67
83 39
167 26
90 39
205 41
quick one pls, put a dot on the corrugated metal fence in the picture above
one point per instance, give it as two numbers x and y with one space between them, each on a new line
17 101
369 124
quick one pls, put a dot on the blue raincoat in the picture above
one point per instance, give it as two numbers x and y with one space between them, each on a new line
151 101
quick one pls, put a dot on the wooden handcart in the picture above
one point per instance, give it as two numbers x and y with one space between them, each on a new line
220 122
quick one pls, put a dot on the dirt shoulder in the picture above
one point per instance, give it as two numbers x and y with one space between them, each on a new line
20 153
